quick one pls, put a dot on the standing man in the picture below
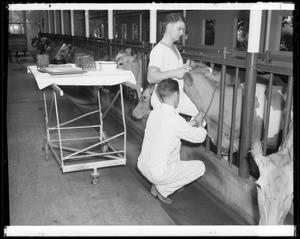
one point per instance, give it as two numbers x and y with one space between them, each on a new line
166 62
159 160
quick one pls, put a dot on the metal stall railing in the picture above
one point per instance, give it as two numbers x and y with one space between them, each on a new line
213 57
236 59
287 71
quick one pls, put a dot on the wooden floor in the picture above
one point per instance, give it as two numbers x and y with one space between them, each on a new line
40 194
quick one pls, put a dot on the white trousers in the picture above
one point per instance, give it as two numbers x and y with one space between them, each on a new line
170 177
185 106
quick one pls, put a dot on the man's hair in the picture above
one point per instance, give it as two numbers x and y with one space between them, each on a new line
174 17
166 88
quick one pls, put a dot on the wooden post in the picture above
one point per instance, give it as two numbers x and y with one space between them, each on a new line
54 18
44 25
110 22
49 22
141 27
249 92
153 20
268 30
72 22
62 22
87 23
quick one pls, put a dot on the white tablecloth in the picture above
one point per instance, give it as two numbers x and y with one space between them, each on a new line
90 78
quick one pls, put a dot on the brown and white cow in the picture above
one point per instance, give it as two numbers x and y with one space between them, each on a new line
200 84
131 63
275 191
143 108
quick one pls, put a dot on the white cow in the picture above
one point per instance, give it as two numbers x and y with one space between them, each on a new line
275 190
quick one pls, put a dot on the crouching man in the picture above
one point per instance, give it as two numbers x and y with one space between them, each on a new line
159 160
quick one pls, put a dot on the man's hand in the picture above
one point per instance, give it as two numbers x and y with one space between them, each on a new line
200 120
180 72
187 64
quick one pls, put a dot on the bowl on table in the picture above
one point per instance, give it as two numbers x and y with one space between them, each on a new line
107 65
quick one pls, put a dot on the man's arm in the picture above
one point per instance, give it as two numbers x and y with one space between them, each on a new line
155 75
186 131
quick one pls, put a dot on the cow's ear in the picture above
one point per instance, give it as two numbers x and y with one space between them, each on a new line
188 80
138 56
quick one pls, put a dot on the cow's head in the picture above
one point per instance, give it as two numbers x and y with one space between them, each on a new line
131 63
274 185
63 53
143 108
34 41
41 43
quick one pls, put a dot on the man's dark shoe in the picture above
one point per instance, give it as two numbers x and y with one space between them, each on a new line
155 193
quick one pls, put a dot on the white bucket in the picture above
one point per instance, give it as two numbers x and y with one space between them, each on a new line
107 65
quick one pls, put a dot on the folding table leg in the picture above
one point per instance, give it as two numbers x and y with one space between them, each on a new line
45 141
103 134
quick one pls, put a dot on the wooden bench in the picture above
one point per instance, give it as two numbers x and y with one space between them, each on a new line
17 43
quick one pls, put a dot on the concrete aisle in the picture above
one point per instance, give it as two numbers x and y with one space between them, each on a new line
40 194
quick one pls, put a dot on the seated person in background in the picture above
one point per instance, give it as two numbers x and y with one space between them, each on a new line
159 160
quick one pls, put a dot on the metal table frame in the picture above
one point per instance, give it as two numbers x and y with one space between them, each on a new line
115 157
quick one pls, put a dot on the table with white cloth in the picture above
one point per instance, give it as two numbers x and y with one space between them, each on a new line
100 153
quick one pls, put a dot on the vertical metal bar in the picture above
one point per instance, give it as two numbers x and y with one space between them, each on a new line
58 129
267 115
143 66
221 110
100 115
124 120
247 114
232 131
46 118
288 107
110 48
207 145
152 45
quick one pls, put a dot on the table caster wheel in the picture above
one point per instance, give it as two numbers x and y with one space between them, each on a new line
46 148
94 177
94 181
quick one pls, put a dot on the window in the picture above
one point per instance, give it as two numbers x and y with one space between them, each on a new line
242 33
286 38
16 28
210 32
135 31
124 31
116 30
99 31
147 32
102 35
160 30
